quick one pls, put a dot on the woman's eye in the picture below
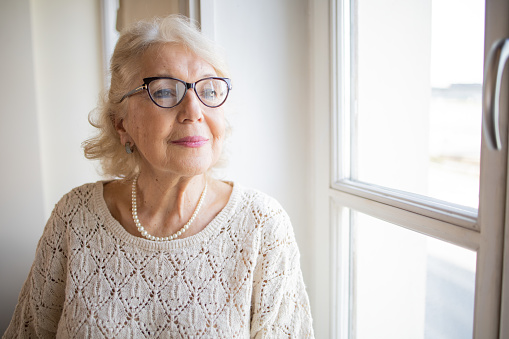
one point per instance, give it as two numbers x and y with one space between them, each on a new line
209 94
163 93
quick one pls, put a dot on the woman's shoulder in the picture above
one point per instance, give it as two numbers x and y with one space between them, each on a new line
265 215
74 207
261 206
256 198
83 195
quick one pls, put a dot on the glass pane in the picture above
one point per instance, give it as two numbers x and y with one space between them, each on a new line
408 285
417 69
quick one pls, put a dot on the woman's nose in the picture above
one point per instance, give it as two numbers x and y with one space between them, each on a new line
190 109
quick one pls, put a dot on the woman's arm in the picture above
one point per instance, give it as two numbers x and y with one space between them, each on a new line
41 298
280 305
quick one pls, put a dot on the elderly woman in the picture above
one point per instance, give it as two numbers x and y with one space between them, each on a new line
166 250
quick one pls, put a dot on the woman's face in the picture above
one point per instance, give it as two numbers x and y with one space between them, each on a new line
184 140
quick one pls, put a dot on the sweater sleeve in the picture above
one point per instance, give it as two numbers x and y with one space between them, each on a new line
280 305
41 298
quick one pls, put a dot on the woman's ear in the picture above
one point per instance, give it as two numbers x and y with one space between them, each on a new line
119 124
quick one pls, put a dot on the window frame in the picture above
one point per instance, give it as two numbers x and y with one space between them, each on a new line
334 191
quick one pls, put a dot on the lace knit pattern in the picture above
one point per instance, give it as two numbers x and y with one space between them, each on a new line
239 277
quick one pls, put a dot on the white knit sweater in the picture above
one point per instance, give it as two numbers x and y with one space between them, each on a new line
238 277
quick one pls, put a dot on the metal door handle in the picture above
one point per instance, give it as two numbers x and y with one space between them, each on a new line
495 64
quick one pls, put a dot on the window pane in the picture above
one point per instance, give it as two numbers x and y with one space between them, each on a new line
417 71
408 285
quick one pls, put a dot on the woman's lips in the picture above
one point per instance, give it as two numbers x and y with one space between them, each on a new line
193 141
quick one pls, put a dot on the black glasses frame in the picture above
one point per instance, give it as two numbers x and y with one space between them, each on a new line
147 81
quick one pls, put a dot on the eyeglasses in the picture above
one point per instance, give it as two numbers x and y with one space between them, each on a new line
168 92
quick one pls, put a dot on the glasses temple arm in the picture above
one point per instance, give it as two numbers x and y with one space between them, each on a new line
134 91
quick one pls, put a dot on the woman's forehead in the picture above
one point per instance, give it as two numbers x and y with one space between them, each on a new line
174 60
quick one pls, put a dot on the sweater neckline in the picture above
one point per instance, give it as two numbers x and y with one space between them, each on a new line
205 234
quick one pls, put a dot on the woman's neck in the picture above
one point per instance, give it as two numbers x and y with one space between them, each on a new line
166 218
169 196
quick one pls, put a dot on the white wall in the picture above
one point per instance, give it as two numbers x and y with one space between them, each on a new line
68 75
53 51
21 197
51 77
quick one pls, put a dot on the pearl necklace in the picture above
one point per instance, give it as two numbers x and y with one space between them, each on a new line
184 228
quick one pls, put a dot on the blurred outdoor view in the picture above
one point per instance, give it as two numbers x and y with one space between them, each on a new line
408 285
457 59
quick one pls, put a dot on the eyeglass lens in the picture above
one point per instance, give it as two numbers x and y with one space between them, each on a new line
170 92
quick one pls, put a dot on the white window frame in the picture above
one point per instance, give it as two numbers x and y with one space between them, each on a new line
334 193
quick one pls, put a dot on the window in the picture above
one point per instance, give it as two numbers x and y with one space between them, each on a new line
413 214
